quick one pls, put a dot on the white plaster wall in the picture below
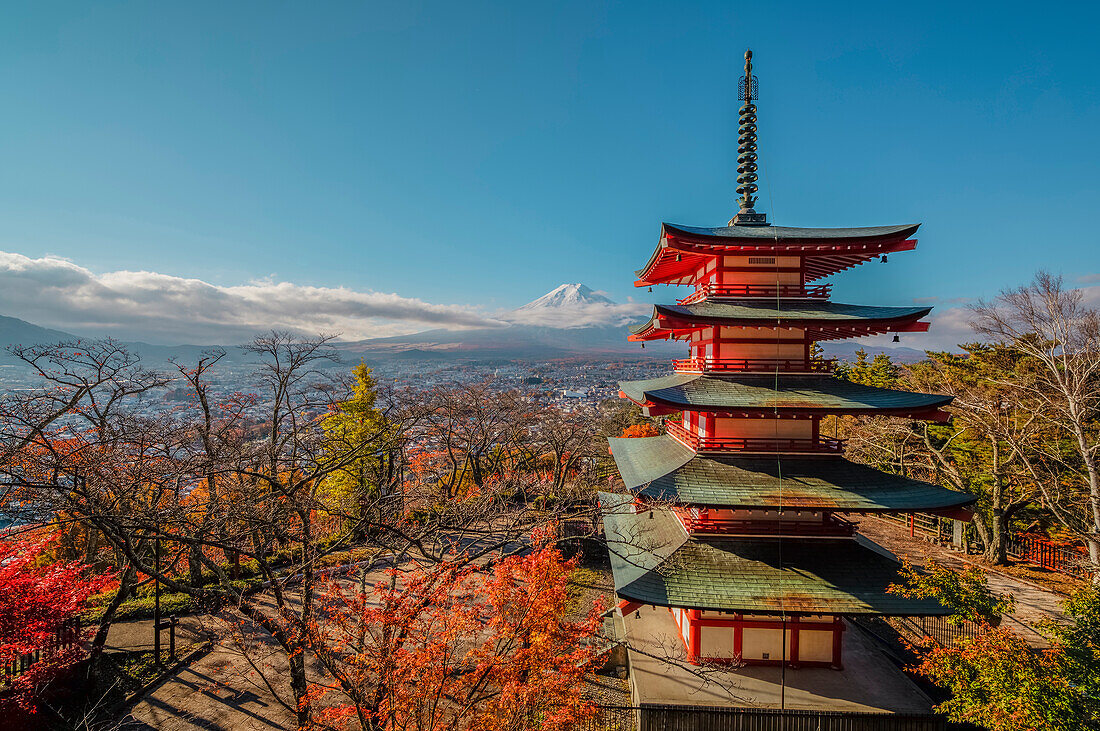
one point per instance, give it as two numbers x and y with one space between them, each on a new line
755 642
716 642
815 646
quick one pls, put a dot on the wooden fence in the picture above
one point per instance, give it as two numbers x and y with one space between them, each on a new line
66 636
920 524
654 717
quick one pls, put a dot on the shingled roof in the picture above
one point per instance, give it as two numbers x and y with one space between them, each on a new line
792 393
729 235
823 320
654 561
663 469
826 250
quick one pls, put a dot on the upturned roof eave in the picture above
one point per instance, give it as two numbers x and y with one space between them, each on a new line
693 241
758 235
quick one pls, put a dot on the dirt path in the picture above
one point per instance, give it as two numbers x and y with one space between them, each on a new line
1033 603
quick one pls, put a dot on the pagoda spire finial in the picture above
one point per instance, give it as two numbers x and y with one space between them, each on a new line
746 150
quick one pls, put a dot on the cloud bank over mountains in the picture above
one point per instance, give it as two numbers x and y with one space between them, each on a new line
163 308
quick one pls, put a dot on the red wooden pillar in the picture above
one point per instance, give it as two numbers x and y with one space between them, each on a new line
912 524
738 636
838 636
694 631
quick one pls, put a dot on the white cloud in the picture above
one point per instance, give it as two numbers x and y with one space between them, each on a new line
58 293
951 326
580 315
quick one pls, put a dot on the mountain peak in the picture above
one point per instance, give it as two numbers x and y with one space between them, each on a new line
567 295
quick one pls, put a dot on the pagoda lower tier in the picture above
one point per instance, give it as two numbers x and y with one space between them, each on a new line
664 470
750 599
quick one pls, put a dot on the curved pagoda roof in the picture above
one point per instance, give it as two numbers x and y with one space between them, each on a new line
661 468
752 394
821 320
682 249
655 561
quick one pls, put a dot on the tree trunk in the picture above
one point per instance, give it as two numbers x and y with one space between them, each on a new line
194 565
996 551
125 586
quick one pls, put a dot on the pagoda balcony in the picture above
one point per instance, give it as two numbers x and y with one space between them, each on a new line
750 291
696 522
753 365
753 444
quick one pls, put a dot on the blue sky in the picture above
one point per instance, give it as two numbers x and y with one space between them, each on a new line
475 155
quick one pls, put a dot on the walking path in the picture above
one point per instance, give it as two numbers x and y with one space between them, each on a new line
1034 604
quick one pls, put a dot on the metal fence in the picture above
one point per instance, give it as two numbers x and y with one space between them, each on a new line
939 629
66 636
702 718
654 717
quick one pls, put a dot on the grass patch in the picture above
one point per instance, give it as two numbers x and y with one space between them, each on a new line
141 608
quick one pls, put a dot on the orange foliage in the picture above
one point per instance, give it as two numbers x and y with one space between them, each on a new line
455 649
640 430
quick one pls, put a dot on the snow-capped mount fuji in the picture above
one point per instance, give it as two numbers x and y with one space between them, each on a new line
567 296
571 320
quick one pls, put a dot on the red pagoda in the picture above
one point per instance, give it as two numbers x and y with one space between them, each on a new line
731 521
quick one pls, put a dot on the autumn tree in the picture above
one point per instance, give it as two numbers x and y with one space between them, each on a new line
459 646
369 474
186 497
980 450
1053 327
999 682
38 607
636 431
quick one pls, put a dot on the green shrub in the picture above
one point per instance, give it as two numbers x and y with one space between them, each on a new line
142 608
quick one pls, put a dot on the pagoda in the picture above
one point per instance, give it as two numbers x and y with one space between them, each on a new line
731 516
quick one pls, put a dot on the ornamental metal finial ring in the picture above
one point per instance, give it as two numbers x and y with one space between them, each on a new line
748 92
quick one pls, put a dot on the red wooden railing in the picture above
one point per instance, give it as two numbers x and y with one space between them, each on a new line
1072 560
816 291
831 526
757 365
752 444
